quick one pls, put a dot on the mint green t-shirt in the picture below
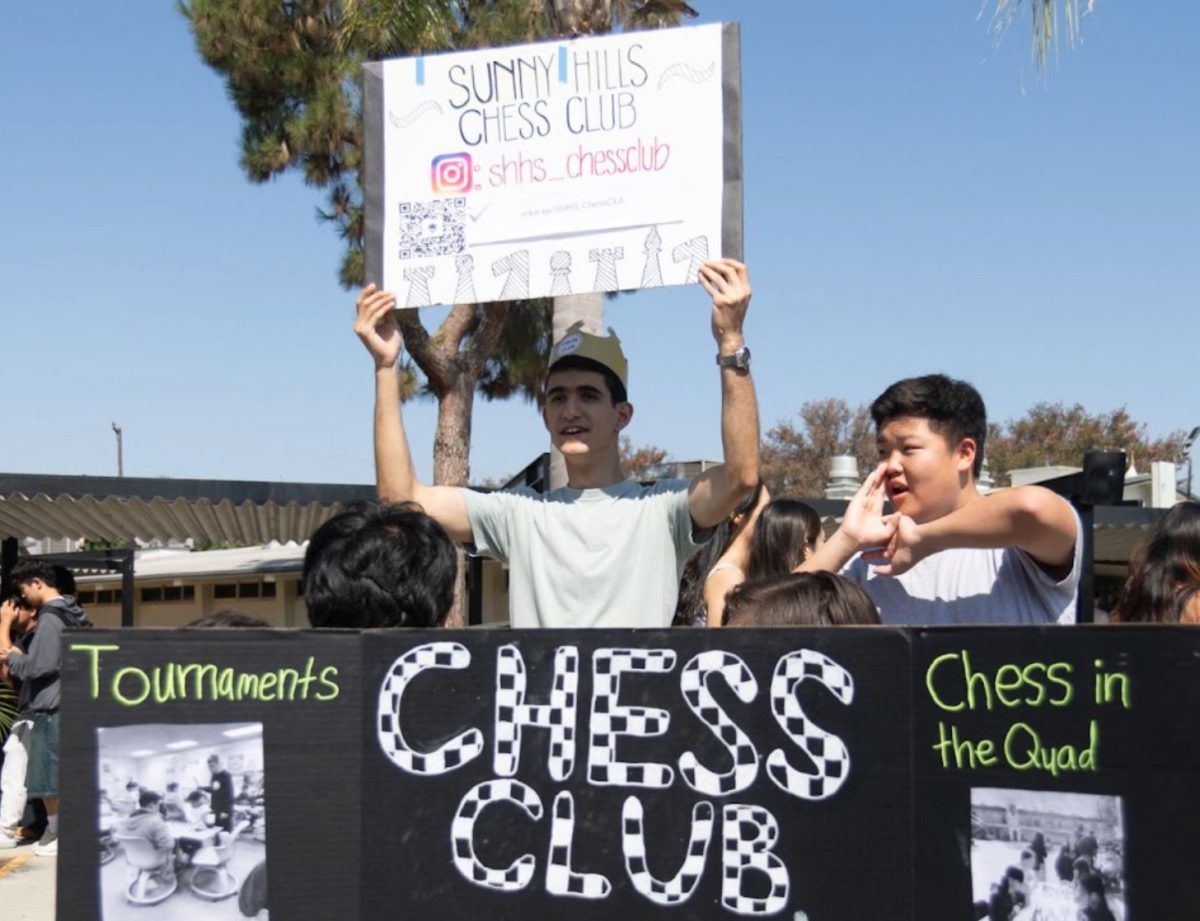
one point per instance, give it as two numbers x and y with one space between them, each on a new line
608 557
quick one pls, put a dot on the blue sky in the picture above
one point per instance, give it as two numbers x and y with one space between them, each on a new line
916 200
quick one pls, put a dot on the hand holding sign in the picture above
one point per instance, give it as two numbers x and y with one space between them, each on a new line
376 326
728 282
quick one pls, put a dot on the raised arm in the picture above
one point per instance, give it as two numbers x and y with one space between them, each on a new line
716 492
1030 518
395 479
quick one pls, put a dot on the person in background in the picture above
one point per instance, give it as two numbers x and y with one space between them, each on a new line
720 564
17 623
39 671
221 789
227 619
803 599
147 823
1164 576
779 535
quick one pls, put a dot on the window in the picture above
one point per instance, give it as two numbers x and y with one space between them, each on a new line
151 595
248 590
86 597
225 590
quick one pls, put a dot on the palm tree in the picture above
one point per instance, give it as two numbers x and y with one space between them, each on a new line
1045 21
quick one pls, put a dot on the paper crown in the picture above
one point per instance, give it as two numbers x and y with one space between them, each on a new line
604 350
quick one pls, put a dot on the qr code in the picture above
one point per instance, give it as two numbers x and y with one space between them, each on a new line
432 228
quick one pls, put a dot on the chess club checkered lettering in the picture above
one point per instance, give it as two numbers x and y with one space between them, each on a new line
828 752
694 684
744 852
462 835
512 712
680 887
749 832
560 878
609 721
450 755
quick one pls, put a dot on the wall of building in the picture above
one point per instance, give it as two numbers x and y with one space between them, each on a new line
275 599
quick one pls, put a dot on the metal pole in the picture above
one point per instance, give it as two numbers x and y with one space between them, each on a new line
127 585
120 459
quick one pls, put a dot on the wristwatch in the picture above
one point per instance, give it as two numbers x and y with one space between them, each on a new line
739 360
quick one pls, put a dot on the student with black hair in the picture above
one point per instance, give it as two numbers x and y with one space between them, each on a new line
38 670
949 554
602 551
379 565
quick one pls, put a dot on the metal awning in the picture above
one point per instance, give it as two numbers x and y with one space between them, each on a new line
215 511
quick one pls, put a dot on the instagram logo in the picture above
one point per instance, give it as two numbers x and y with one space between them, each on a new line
453 174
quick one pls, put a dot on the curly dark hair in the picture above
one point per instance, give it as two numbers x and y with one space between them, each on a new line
379 565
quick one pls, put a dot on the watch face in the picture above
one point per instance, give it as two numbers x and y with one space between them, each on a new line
739 359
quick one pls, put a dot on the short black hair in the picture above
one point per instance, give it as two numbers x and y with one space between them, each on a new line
953 408
616 390
148 798
227 619
25 571
64 580
379 565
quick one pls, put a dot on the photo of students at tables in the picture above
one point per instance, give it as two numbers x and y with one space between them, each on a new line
182 821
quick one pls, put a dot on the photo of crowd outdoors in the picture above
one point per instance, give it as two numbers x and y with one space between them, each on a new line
181 821
1047 856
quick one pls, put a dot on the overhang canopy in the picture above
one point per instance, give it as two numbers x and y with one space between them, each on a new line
214 511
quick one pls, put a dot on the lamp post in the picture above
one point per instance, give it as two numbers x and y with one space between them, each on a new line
120 459
1187 452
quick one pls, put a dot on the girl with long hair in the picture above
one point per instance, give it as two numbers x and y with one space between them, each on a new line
1164 579
717 566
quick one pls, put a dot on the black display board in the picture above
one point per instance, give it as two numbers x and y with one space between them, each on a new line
802 774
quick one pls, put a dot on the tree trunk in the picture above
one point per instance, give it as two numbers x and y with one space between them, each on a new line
452 467
453 360
567 310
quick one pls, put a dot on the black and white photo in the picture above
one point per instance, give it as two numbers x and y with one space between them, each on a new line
181 821
1047 856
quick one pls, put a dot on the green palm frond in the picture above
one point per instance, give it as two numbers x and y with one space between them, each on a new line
8 708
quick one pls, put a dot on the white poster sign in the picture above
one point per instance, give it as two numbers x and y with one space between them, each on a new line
597 164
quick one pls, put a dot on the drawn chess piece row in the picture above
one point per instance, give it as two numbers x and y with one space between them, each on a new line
516 265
